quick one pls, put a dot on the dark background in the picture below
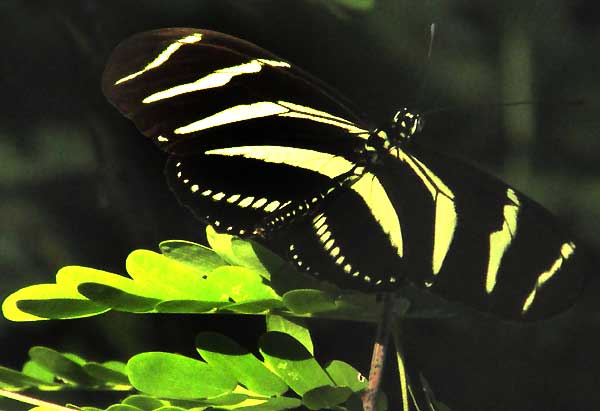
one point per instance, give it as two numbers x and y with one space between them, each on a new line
80 186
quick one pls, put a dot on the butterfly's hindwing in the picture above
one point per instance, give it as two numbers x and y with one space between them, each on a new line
326 245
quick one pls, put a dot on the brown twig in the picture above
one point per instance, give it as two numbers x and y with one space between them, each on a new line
369 397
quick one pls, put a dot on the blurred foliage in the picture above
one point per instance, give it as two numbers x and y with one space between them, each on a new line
80 186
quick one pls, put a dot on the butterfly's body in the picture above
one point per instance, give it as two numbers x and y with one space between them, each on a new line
260 148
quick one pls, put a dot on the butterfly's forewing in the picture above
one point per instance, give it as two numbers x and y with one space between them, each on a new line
195 92
190 90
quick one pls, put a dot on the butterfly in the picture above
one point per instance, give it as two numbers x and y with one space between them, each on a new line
260 148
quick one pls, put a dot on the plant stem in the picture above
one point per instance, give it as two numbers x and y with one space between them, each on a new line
369 398
33 401
404 385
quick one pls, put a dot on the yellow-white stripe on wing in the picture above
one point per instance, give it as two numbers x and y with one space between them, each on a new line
263 109
501 240
445 218
366 185
163 56
566 251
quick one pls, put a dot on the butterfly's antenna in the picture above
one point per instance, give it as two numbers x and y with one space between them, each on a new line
431 36
421 90
478 106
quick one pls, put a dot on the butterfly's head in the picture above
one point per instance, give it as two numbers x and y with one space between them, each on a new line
406 124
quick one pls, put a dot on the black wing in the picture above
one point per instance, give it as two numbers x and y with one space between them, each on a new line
191 90
448 228
199 94
506 254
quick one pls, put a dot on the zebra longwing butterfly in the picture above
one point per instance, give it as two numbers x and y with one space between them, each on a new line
260 148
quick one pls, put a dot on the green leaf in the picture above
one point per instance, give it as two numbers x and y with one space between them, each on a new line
116 366
33 369
13 380
233 398
196 255
45 301
175 376
106 374
221 244
252 255
308 301
62 300
223 353
75 358
241 284
325 397
117 299
345 375
271 404
252 307
167 278
296 327
143 402
71 276
188 306
178 281
245 253
123 407
292 362
59 309
61 366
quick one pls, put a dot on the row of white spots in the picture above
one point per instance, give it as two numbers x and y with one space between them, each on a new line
302 209
325 237
299 262
237 199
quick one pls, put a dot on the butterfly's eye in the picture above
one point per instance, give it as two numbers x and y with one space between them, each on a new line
406 124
